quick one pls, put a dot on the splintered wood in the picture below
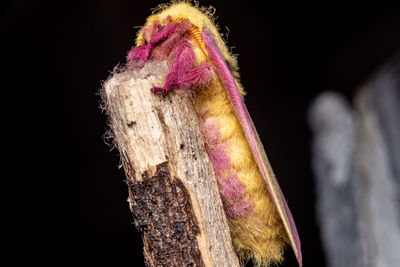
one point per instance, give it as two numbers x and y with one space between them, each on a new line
173 193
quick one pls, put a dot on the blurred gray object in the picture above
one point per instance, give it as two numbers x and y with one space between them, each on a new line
356 162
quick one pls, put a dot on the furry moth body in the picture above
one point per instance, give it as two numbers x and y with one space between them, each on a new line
259 219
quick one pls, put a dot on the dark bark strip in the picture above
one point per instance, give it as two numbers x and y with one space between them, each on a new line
163 213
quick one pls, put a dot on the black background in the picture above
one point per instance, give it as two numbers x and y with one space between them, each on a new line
57 53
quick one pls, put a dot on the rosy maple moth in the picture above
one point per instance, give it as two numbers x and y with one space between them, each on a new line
185 36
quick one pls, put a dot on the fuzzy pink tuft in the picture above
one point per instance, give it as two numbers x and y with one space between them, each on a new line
219 159
210 131
183 62
149 31
136 53
198 76
169 47
158 37
230 188
239 209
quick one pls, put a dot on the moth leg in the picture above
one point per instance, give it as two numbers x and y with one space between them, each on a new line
159 43
168 47
158 37
198 75
183 62
142 52
136 53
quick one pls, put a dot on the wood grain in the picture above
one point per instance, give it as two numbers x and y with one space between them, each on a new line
165 162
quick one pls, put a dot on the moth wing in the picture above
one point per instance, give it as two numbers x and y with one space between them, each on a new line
255 144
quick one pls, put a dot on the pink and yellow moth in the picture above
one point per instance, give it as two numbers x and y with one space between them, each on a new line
259 219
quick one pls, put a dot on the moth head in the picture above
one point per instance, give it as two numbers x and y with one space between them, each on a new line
200 18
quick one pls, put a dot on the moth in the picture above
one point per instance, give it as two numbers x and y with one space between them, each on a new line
258 216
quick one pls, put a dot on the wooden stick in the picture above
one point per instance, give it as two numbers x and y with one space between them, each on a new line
173 193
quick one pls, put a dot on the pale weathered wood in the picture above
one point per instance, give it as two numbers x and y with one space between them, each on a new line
161 130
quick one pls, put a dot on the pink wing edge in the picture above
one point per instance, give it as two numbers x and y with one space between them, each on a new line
252 138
